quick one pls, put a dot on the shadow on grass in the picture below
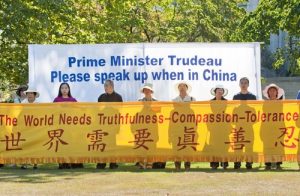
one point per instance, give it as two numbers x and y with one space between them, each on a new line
49 173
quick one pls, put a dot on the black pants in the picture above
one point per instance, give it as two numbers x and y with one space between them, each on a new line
159 165
186 164
270 164
70 165
77 165
103 165
238 165
217 164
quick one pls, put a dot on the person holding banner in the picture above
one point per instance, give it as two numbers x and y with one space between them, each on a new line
298 124
244 94
20 95
147 90
272 92
298 95
183 96
109 96
184 88
31 95
219 91
64 95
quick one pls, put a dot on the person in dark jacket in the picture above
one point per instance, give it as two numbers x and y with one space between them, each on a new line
244 94
109 96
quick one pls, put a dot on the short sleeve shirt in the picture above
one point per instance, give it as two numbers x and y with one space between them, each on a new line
185 99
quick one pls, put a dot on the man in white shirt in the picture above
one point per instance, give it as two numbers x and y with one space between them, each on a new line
183 88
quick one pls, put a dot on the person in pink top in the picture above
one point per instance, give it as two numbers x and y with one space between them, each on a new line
64 95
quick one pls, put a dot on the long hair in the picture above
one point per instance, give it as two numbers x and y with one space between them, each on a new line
59 91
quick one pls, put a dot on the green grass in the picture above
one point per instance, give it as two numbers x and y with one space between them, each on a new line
128 180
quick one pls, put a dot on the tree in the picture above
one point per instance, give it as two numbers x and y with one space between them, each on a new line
271 16
31 22
107 21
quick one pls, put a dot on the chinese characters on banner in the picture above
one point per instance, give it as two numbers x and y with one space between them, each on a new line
173 131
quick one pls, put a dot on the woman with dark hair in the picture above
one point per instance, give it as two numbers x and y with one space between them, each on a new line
273 93
20 94
219 92
64 95
19 97
147 90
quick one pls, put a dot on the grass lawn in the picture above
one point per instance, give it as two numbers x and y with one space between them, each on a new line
128 180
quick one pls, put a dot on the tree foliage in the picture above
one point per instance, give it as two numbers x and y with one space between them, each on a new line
270 17
26 22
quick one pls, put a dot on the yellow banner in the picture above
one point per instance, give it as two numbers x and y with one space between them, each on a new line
150 131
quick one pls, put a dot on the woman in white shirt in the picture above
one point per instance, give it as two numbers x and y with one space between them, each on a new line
31 96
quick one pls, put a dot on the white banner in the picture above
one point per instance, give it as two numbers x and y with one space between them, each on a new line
86 67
